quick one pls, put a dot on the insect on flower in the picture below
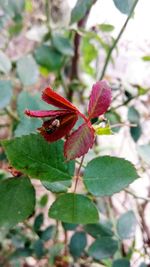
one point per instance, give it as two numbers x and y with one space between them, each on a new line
60 122
53 126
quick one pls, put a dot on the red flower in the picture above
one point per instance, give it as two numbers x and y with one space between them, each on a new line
60 122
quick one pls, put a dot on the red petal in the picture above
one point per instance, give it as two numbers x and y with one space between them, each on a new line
79 142
45 113
100 99
67 121
56 100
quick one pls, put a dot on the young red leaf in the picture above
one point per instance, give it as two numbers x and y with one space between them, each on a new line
79 142
56 100
46 113
56 128
100 99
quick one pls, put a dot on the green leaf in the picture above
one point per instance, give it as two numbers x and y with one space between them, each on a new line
142 90
89 53
35 157
57 187
124 6
5 63
55 250
103 130
27 125
28 6
3 174
80 10
48 233
3 21
134 118
63 45
146 58
98 230
43 200
17 200
77 244
48 57
121 263
12 7
126 225
44 71
27 70
106 27
144 152
69 226
136 132
15 29
143 265
39 249
74 208
5 93
114 118
103 248
38 222
28 101
108 175
133 115
21 252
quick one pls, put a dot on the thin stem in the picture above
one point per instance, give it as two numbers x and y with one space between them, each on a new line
111 214
124 103
4 125
78 173
65 243
11 114
47 11
135 196
117 40
56 233
78 162
74 72
123 124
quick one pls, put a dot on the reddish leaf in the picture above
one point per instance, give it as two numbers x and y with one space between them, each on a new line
56 100
100 99
45 113
79 142
52 131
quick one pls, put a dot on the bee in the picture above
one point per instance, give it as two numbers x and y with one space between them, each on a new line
53 126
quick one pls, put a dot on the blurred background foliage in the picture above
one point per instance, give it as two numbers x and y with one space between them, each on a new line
46 43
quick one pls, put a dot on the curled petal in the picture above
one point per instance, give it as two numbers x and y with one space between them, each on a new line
100 99
58 127
45 113
56 100
79 142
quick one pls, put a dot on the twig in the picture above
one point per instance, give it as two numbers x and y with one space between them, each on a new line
124 103
78 173
75 59
78 162
117 40
136 196
65 243
11 114
4 125
144 228
47 12
55 238
123 124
